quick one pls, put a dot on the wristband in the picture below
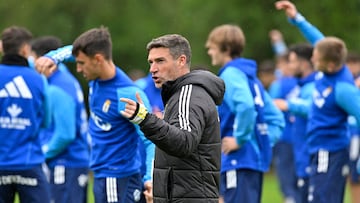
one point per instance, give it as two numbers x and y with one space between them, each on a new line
140 114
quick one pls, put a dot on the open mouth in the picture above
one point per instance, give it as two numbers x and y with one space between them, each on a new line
156 79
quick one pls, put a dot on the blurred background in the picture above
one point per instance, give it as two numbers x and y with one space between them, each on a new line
133 23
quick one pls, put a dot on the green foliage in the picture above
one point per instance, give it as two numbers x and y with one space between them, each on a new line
133 23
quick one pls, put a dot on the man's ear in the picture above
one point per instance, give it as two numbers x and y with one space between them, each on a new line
99 58
182 60
25 50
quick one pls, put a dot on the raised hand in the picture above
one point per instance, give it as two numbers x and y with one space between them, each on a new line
288 7
134 111
45 65
275 36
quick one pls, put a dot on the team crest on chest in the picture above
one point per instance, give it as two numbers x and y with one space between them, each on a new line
106 106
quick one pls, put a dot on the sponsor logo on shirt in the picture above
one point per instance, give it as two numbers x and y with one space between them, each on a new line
100 123
16 88
319 97
14 121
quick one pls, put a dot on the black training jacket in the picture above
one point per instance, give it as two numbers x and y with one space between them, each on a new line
188 143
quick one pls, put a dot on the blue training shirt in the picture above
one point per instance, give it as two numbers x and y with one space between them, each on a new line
283 88
66 139
248 114
335 98
114 146
25 109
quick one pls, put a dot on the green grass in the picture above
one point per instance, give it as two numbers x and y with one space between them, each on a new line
271 191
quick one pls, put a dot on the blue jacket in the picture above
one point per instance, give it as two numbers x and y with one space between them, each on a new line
24 105
299 105
66 140
335 98
283 88
248 114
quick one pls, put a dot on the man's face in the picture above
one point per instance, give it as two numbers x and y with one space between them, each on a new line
218 58
295 65
163 66
88 66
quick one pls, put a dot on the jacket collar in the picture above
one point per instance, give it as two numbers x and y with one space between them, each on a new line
14 59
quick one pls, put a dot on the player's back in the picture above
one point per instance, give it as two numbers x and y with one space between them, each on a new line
22 101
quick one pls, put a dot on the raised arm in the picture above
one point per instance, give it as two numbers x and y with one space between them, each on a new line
310 32
51 59
277 42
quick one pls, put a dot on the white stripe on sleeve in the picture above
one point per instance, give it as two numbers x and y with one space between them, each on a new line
184 107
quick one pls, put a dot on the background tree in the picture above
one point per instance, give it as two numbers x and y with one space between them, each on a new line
133 23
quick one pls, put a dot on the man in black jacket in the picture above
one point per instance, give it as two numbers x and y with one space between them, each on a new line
187 139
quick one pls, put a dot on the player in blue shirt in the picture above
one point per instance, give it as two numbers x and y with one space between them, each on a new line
335 97
282 88
250 122
65 141
115 158
24 105
298 104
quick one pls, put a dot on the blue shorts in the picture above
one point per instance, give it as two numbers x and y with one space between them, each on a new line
241 185
31 185
329 171
69 184
121 190
302 190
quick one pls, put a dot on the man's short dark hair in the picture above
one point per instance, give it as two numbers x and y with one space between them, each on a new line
13 38
94 41
176 44
302 50
44 44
